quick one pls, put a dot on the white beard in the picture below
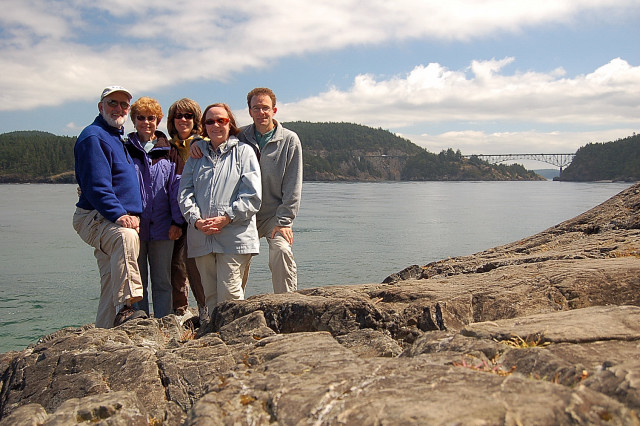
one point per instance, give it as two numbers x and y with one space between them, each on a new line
117 123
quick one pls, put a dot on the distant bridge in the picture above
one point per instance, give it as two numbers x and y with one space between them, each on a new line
558 160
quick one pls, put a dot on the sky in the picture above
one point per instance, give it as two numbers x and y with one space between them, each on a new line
481 76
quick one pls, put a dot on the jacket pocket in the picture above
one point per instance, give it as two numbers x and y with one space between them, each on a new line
86 223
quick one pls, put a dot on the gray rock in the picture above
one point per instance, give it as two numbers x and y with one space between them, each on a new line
247 329
597 323
290 384
367 343
26 415
115 408
545 330
186 371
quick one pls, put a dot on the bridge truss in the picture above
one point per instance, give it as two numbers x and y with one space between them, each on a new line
558 160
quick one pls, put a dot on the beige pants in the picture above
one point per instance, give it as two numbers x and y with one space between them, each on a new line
284 271
221 276
116 250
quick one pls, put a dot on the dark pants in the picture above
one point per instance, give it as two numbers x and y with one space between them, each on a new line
184 274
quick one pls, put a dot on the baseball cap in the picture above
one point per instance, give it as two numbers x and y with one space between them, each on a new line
112 89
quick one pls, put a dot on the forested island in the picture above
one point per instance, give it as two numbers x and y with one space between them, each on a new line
615 161
341 152
34 156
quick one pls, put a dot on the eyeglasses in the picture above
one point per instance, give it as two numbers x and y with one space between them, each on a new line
113 103
186 115
150 118
221 121
260 109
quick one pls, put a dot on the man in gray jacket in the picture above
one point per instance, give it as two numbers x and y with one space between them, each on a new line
280 154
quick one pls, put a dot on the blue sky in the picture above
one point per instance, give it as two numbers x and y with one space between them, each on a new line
483 76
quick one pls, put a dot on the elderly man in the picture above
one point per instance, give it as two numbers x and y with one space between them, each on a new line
107 213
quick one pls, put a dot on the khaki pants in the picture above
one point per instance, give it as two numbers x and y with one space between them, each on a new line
221 276
284 271
116 250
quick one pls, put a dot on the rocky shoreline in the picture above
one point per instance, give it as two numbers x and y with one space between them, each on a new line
545 330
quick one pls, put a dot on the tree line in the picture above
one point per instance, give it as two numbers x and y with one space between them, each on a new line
617 161
353 152
34 156
341 151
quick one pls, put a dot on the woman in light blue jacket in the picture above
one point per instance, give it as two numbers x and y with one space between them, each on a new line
220 195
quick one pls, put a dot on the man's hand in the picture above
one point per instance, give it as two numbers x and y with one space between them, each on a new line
195 151
285 231
129 221
175 232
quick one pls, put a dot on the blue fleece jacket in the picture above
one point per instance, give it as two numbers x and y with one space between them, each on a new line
105 172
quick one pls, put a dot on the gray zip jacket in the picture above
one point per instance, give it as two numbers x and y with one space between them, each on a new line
281 166
222 183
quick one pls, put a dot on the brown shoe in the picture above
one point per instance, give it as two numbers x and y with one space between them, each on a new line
128 313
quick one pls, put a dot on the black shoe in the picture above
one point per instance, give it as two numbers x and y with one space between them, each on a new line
128 313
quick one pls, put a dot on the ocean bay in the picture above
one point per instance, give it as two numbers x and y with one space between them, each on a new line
346 233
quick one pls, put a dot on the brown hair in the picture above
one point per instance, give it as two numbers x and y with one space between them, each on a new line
146 105
233 127
184 105
261 91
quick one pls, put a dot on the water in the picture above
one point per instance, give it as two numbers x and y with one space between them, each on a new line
346 233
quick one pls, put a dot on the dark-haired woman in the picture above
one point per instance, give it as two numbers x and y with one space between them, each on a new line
184 126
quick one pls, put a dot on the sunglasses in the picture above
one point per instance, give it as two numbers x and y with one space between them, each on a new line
113 103
221 121
150 118
186 115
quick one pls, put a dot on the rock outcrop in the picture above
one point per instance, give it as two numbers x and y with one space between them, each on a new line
545 330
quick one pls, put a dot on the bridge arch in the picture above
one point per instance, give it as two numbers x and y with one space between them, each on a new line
558 160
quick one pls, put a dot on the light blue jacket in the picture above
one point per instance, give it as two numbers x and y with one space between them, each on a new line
227 182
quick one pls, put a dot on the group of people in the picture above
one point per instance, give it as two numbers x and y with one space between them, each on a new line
188 210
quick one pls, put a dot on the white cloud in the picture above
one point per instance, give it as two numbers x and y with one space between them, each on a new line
73 127
27 20
53 51
432 94
524 142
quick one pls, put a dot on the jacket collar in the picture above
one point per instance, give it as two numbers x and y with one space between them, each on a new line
249 133
162 142
175 141
231 142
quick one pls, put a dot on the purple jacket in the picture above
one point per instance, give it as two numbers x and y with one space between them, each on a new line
159 185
